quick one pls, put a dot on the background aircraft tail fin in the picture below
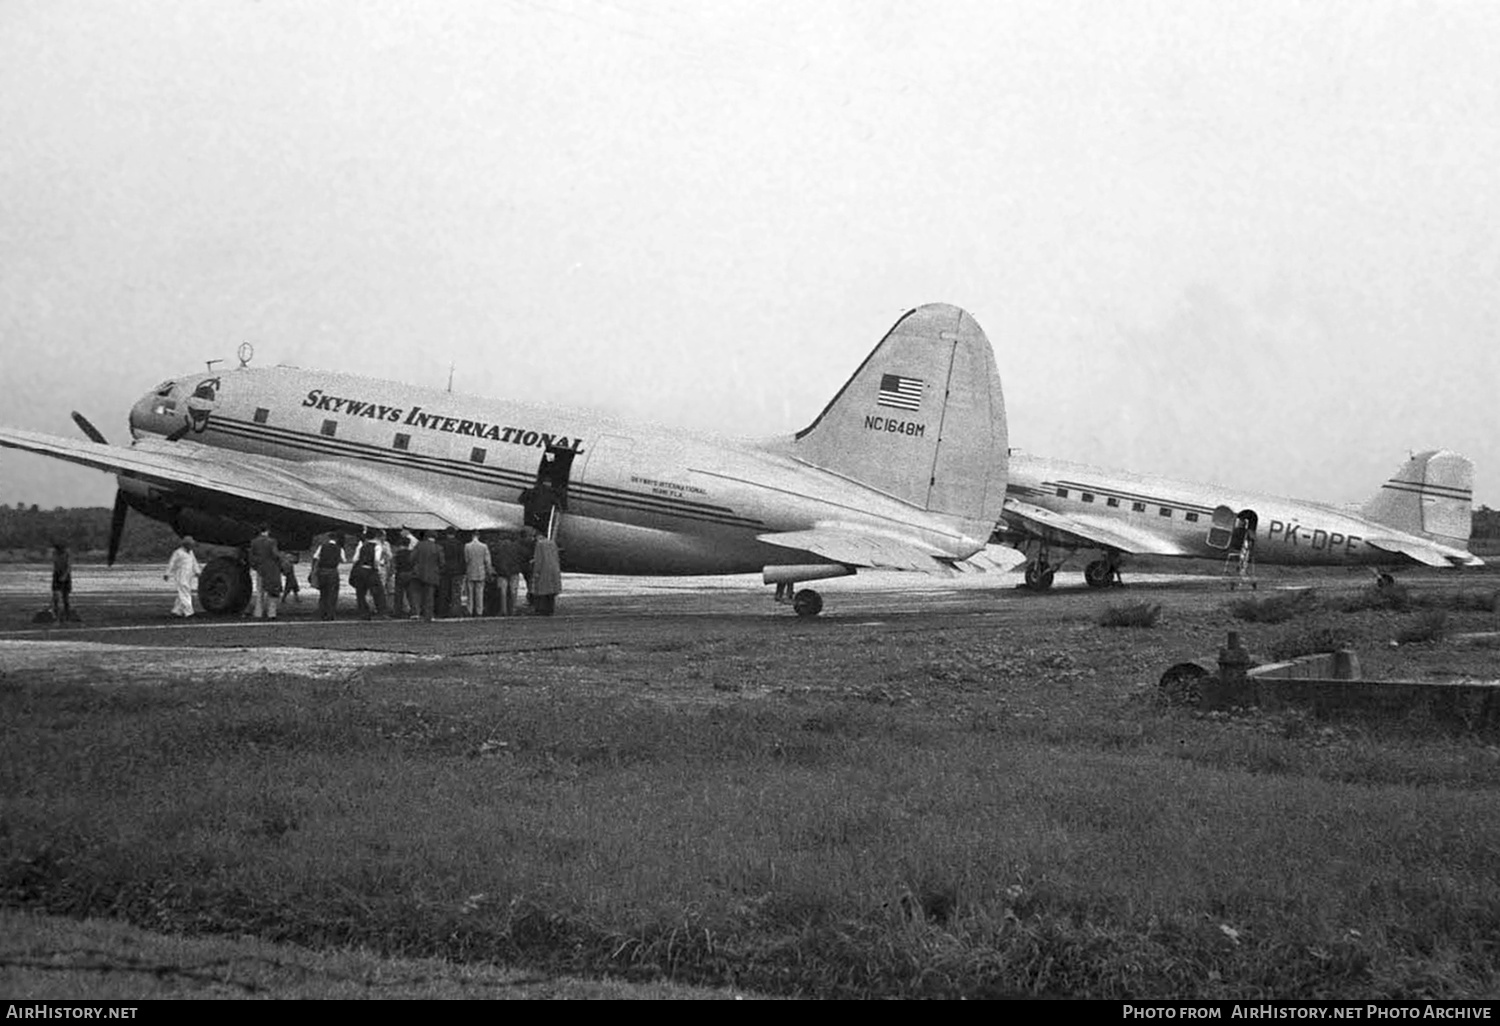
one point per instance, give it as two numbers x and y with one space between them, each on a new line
922 419
1432 494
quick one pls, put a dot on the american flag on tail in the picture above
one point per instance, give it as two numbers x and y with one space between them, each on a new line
902 393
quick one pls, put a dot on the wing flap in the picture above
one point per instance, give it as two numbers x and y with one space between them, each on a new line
1426 553
1090 530
866 549
363 495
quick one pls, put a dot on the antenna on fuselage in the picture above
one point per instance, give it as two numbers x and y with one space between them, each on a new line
212 362
246 353
450 377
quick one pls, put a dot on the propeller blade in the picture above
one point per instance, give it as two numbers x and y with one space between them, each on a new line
88 429
117 525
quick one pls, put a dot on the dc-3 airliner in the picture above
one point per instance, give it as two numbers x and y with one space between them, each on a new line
1421 515
904 469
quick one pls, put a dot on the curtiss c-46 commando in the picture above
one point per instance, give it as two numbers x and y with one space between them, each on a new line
904 469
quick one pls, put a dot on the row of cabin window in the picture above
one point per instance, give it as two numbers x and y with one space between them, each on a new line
1135 507
402 440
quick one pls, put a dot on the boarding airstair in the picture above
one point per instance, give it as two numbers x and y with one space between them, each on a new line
1235 534
1239 564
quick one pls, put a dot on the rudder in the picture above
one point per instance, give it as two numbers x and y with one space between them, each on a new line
922 419
1432 494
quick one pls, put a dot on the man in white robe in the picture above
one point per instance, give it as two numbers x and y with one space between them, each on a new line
183 571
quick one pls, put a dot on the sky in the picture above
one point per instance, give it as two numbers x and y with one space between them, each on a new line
1257 244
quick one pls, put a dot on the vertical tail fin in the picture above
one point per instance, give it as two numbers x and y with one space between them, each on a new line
922 419
1432 494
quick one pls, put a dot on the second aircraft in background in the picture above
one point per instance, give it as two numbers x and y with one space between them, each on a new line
1421 515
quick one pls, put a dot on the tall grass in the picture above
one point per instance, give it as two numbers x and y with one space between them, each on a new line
1277 607
826 845
1429 625
1131 614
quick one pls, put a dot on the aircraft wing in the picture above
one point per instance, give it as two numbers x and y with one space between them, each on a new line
322 488
1090 530
863 548
1426 553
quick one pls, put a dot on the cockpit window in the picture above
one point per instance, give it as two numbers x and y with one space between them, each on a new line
207 390
165 388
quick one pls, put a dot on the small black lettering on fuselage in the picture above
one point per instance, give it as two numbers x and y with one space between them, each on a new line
1316 539
891 425
675 489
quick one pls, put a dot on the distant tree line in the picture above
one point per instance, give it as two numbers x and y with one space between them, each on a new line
1486 523
27 533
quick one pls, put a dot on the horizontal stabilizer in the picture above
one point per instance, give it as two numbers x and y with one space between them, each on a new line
1429 554
862 548
319 488
992 559
1092 531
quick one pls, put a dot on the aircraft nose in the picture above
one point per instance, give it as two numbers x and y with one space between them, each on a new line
137 416
152 414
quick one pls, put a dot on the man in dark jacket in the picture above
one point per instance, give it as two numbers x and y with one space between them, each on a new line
62 583
427 573
364 576
401 566
325 575
511 559
265 564
450 586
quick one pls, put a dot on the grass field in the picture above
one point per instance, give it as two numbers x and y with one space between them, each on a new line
851 811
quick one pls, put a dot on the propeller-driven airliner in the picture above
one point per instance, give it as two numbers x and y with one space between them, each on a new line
1421 515
905 469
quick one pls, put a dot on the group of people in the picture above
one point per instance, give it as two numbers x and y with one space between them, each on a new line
429 574
272 586
422 575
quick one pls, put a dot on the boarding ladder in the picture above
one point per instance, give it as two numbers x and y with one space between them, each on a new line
1239 565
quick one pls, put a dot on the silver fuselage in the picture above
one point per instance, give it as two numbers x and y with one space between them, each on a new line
640 499
1289 531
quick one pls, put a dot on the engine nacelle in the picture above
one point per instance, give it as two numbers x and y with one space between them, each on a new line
804 572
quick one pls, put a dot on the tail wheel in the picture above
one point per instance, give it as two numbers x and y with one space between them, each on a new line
807 602
224 587
1098 574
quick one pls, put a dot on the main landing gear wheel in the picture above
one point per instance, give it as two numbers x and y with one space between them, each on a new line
1039 578
807 602
1098 574
224 587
